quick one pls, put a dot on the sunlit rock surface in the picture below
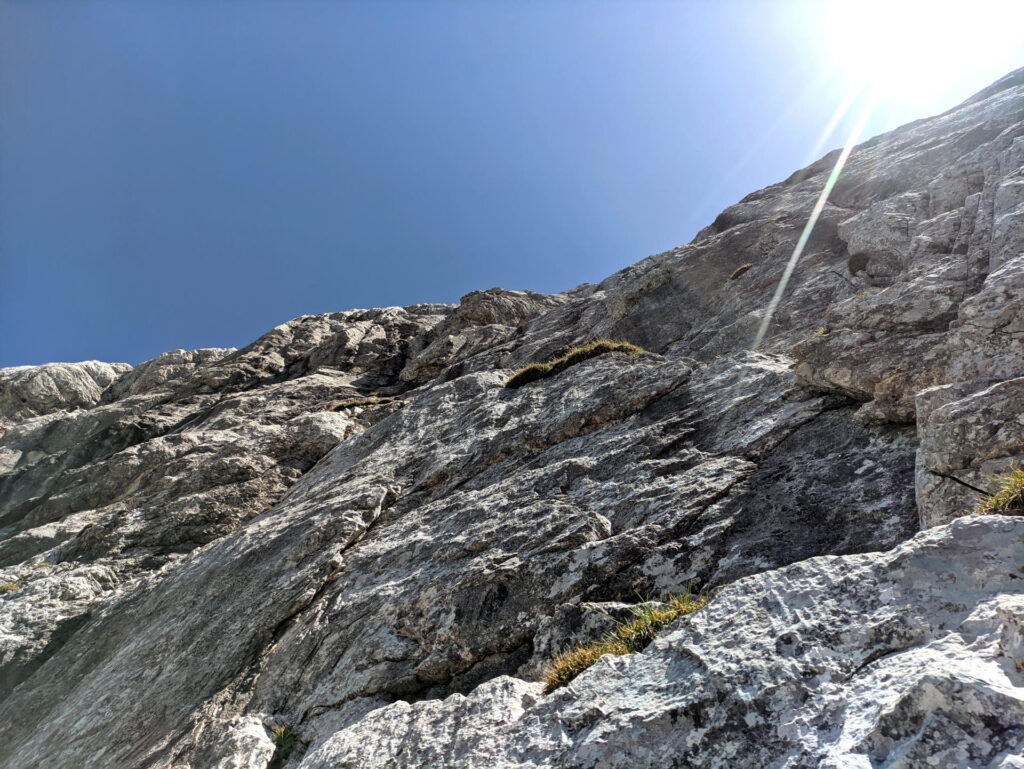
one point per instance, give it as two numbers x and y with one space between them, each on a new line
352 530
910 658
29 391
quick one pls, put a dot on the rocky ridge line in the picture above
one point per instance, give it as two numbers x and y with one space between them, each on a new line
205 551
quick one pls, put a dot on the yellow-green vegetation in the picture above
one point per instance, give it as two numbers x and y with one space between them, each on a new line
41 565
820 332
1009 499
740 270
8 587
284 743
575 355
372 400
626 638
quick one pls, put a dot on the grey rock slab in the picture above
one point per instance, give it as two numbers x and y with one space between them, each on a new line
483 319
28 391
907 658
421 554
162 370
987 337
234 553
969 434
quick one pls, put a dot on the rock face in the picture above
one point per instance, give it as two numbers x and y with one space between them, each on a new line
352 530
910 659
28 391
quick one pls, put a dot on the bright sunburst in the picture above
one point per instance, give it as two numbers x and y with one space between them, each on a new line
906 53
912 51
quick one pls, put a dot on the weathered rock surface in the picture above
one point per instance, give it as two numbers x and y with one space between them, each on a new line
28 391
210 546
911 658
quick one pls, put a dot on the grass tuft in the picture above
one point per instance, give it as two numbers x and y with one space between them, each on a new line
373 400
528 374
1009 499
285 741
740 270
627 638
535 371
8 587
41 565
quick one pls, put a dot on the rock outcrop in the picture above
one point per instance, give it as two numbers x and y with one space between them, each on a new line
907 659
350 530
28 391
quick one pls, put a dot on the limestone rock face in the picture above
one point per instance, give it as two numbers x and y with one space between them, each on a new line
910 658
171 366
352 531
28 391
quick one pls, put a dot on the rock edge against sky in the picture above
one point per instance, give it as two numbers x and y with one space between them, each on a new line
203 549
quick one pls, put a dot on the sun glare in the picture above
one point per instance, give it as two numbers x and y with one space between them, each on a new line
912 50
906 52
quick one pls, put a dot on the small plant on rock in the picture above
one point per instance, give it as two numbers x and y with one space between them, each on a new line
8 587
1009 498
285 741
740 270
627 638
535 371
41 565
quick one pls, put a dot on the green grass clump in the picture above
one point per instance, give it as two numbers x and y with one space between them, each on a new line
740 270
536 371
285 741
8 587
626 638
373 400
41 565
1009 499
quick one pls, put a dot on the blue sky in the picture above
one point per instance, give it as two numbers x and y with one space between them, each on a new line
191 174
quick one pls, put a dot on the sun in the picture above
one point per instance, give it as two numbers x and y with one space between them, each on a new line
913 51
906 53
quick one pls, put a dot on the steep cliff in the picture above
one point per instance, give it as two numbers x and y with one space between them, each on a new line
351 532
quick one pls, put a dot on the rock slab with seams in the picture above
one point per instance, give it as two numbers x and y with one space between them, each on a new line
352 529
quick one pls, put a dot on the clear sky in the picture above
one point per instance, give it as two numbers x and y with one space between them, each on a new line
193 173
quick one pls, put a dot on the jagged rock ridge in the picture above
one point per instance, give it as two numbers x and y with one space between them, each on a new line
204 550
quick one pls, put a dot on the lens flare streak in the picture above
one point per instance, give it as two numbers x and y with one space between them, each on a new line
819 206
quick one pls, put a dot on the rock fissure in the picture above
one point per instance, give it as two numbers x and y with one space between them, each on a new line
959 481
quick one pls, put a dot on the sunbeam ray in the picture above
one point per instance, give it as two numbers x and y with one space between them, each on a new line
844 106
812 220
